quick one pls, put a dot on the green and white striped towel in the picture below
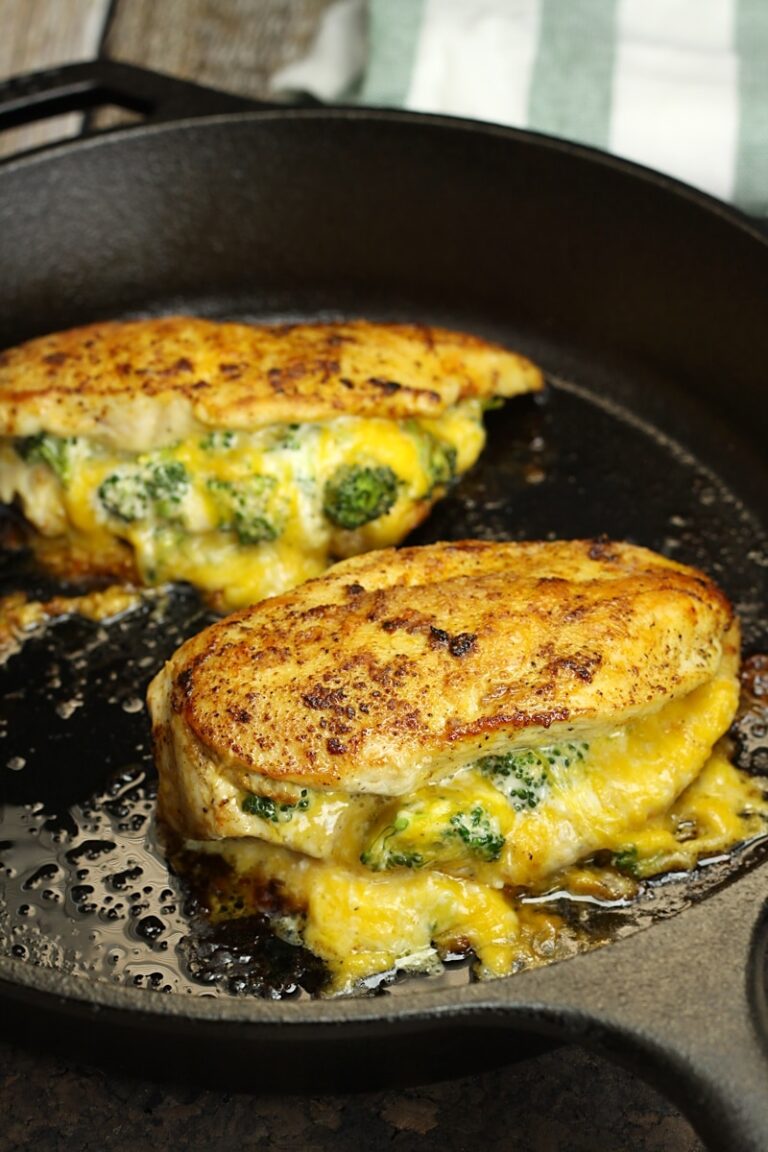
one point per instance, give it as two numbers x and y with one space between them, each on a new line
678 85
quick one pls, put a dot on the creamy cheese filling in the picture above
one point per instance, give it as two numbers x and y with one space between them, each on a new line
392 882
245 514
507 818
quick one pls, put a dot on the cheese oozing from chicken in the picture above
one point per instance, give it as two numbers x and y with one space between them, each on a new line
242 459
408 745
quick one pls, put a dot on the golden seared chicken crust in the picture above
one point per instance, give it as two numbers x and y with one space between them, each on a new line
137 385
429 751
400 666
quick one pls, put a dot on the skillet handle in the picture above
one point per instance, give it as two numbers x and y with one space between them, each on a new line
684 1006
80 87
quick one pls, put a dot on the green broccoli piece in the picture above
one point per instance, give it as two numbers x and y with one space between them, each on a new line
244 507
55 451
133 494
286 437
627 860
413 839
524 775
441 463
273 810
381 855
217 441
379 858
479 832
124 495
403 860
167 484
355 495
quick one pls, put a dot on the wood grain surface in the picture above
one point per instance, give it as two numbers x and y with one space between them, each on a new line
234 45
37 34
567 1100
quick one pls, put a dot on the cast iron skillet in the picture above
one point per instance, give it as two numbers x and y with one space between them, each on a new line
644 301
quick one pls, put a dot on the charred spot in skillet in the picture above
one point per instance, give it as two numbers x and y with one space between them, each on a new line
231 943
754 675
749 731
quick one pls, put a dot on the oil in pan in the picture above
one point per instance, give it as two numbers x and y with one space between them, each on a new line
84 885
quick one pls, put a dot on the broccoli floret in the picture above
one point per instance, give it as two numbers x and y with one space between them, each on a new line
269 809
381 854
627 860
441 463
429 832
167 483
524 775
244 508
403 860
286 437
157 488
479 832
217 441
125 496
356 495
55 451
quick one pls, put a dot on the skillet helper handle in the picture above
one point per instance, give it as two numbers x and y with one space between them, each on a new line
684 1006
80 87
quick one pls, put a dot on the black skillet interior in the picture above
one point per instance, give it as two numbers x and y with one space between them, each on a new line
643 301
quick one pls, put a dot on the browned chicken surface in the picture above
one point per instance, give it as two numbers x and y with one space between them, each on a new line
141 384
400 665
400 754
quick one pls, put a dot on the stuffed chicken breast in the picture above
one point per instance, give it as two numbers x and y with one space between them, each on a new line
237 457
398 750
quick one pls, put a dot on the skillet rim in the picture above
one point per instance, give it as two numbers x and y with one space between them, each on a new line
423 1004
730 213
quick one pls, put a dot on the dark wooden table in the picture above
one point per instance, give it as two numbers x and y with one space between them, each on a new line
566 1100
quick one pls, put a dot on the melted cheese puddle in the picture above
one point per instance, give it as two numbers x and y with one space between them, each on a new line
21 618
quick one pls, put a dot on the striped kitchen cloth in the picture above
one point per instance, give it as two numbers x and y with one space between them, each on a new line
677 85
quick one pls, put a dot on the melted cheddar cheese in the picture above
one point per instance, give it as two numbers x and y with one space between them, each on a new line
240 514
395 883
428 751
